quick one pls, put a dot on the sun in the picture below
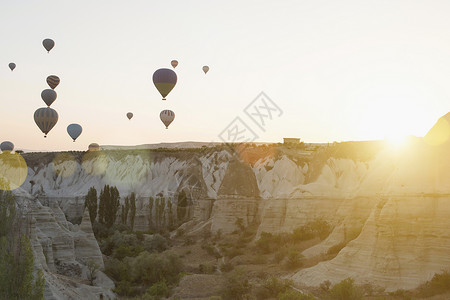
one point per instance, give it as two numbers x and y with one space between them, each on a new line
397 141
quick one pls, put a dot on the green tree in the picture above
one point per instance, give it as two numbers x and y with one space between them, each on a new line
93 268
150 211
157 213
132 209
346 290
7 211
101 207
125 209
237 285
181 206
162 213
90 201
170 216
110 199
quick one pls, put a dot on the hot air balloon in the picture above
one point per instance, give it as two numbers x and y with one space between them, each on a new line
52 81
49 96
167 116
45 118
12 66
94 147
164 80
48 44
74 130
7 146
129 115
174 63
205 69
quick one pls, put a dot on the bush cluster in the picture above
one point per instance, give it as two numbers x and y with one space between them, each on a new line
269 243
134 274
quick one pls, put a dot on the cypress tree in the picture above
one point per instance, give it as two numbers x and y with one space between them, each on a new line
125 209
132 209
181 206
90 201
101 207
150 209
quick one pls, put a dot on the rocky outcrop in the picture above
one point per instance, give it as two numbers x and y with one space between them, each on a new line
63 250
239 181
238 198
85 245
403 243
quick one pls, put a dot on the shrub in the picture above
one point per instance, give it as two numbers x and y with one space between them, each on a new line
157 291
325 286
371 289
237 285
274 286
266 242
336 248
345 290
117 270
180 232
123 288
206 268
312 229
226 267
294 295
440 283
127 251
92 271
156 243
280 255
400 293
294 260
210 249
233 252
149 268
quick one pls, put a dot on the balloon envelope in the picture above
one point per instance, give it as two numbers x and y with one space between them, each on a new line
52 81
205 69
12 66
74 130
174 63
48 44
94 147
7 146
49 96
167 116
129 115
45 118
164 81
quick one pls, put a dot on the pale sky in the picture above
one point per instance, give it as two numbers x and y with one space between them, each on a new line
339 70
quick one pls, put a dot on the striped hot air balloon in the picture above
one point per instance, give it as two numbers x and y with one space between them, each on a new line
49 96
167 117
52 81
7 146
45 118
164 80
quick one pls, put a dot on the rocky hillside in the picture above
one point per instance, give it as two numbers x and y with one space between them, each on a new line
392 201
